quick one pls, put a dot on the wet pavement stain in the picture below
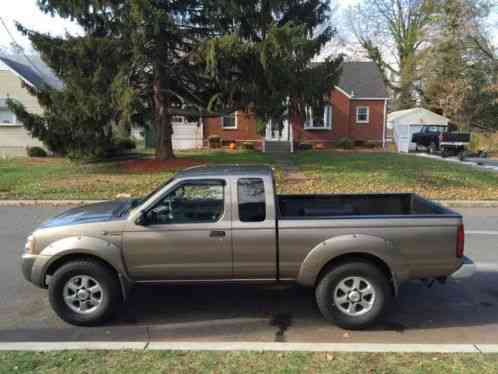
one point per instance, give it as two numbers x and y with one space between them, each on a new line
391 326
282 321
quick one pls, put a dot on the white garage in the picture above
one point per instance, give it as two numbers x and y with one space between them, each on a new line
404 123
186 135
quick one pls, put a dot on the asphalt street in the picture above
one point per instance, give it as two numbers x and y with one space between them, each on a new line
458 312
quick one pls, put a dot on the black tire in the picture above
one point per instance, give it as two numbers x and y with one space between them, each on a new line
432 148
108 281
326 287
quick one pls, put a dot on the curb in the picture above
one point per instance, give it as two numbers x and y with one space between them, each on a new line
250 346
468 203
56 203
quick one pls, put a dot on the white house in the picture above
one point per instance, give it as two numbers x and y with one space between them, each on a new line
15 73
404 123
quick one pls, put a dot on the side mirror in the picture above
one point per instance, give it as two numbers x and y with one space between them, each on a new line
142 219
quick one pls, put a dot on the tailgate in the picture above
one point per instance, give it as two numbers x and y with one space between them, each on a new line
456 137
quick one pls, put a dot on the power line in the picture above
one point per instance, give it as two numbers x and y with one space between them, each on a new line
19 47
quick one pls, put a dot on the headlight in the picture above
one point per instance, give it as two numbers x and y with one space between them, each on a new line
30 245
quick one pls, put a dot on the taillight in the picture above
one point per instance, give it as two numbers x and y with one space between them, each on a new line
460 241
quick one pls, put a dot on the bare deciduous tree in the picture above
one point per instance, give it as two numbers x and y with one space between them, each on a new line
394 33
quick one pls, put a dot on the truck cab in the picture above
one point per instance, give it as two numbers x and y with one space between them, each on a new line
219 224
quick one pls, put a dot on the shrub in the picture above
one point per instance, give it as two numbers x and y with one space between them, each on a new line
248 146
214 141
359 143
36 152
125 144
344 143
373 144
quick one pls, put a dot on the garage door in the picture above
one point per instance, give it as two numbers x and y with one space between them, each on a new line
187 135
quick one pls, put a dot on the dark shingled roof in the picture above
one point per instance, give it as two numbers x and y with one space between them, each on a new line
38 75
362 79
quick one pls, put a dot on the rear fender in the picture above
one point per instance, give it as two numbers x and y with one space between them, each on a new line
356 244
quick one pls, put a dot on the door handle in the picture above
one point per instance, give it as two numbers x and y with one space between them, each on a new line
217 234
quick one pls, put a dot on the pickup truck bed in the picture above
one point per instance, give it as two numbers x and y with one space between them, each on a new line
343 205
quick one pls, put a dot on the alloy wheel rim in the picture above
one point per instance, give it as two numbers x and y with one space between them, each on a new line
83 294
354 296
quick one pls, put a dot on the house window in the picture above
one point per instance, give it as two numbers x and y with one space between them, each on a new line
177 119
362 114
229 122
320 122
7 117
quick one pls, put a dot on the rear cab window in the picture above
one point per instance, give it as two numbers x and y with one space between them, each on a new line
251 199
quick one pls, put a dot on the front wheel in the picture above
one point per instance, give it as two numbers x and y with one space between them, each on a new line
353 295
84 293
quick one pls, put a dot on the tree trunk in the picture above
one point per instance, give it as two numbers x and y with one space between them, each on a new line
162 122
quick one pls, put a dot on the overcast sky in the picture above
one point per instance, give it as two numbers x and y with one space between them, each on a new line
28 14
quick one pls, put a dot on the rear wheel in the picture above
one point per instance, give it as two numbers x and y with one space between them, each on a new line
353 295
84 293
432 148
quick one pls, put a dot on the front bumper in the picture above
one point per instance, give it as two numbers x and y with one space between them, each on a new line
466 270
33 268
27 262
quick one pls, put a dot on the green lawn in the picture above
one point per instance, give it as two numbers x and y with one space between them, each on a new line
124 362
327 171
330 171
53 178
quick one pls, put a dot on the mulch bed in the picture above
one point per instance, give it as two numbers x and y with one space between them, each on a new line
154 166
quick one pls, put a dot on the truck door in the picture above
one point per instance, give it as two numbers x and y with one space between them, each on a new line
254 228
186 234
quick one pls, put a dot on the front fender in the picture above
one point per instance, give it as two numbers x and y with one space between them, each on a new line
81 245
341 245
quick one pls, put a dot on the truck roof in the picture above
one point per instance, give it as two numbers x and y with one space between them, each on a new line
217 170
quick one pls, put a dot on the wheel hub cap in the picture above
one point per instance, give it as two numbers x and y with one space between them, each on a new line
354 296
83 294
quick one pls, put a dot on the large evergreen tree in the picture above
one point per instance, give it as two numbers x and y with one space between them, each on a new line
210 56
78 118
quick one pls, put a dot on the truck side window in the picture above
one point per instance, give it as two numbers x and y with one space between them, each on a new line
195 202
251 197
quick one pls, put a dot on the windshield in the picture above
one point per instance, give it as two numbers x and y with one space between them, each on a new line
156 190
135 203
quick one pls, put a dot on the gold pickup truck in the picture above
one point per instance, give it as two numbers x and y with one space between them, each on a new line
226 223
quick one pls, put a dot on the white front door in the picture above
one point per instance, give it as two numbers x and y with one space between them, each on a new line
277 132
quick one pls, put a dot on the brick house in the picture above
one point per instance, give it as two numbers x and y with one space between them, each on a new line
357 110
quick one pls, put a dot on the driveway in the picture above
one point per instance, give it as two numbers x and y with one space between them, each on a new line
464 312
480 163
